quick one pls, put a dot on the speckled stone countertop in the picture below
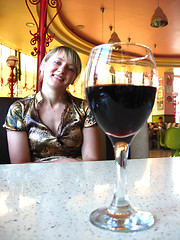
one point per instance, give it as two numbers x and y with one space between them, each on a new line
53 200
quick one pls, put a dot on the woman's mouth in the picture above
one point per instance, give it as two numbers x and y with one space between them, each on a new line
58 77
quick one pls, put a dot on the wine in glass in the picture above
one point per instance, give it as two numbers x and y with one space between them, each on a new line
121 85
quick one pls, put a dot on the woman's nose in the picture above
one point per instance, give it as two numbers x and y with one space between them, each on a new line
61 68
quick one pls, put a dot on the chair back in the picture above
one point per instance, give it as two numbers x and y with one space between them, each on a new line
172 140
5 103
162 137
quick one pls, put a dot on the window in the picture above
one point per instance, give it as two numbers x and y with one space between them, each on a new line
25 73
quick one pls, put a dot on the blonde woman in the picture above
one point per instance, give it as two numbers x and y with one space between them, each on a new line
53 125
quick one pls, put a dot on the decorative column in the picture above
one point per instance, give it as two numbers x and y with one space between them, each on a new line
168 97
42 38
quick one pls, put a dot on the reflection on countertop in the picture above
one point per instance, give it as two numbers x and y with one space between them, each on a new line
157 153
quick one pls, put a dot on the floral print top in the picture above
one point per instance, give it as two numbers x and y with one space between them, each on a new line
44 144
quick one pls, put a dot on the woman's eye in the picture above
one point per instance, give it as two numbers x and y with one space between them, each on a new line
71 69
57 62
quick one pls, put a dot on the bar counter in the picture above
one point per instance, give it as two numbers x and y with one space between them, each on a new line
54 200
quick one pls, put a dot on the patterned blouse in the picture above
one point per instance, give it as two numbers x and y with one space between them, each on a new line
44 144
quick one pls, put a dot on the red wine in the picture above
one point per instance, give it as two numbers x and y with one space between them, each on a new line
121 110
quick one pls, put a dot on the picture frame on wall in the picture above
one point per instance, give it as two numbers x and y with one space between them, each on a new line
160 105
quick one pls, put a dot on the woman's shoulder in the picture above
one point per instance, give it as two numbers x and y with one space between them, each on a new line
79 102
23 103
28 98
81 106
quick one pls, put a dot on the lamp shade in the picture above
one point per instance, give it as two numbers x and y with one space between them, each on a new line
12 61
159 19
114 38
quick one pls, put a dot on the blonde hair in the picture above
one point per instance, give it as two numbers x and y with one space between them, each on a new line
69 52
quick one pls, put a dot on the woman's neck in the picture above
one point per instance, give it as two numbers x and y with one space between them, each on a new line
54 97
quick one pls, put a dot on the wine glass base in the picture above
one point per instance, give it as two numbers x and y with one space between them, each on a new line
122 222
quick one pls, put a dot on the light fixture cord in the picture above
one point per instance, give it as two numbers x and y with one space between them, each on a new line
102 10
114 15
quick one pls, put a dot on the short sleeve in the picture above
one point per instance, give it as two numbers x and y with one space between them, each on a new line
14 119
89 120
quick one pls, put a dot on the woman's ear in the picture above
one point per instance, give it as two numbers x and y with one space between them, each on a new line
73 81
41 71
41 68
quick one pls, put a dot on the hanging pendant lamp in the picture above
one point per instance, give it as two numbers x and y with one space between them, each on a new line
159 19
114 37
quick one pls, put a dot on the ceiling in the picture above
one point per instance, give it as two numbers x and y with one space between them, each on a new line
131 19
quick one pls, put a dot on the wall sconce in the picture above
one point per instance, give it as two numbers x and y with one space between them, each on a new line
159 19
12 62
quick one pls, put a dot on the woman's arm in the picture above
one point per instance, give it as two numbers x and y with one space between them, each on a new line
19 151
18 146
90 146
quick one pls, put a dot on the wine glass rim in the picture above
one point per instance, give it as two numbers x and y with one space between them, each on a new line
140 57
123 43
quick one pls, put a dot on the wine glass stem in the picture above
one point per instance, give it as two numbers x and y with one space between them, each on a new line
120 198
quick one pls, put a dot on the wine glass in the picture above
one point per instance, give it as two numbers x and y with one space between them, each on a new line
121 85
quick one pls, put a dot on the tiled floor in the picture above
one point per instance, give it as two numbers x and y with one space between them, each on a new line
159 153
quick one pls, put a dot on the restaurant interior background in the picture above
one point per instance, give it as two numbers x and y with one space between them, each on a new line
83 24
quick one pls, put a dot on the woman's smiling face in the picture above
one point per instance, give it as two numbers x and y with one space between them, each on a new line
59 70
